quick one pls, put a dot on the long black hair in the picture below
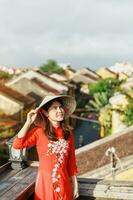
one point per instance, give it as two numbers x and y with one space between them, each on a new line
49 130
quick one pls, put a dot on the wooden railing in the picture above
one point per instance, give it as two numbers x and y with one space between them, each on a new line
16 184
17 178
19 185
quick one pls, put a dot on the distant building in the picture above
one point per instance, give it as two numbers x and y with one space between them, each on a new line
106 73
58 77
119 71
14 103
84 77
125 67
69 72
32 87
43 77
128 87
87 71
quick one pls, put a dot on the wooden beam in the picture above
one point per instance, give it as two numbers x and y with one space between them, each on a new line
5 167
17 184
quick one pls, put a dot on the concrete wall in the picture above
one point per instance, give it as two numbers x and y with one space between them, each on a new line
93 156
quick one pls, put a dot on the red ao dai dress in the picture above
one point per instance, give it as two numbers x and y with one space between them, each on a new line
57 163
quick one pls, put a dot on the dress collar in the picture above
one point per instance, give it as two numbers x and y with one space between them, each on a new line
59 132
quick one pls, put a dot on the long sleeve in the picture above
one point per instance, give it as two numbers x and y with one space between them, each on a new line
72 166
29 139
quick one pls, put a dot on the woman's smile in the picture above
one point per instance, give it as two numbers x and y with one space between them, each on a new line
60 115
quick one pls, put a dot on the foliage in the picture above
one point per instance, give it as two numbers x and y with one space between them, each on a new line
128 113
52 67
6 132
108 86
98 102
105 119
101 92
4 75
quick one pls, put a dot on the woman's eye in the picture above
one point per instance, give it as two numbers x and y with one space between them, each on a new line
56 107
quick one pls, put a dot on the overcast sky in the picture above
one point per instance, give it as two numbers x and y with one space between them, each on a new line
83 33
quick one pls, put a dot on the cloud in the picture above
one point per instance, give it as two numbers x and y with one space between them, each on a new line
81 32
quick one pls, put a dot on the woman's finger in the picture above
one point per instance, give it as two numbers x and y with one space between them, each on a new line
32 112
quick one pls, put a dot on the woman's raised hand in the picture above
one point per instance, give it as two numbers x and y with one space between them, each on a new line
31 116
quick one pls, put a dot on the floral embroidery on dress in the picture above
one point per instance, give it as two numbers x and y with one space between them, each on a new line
60 149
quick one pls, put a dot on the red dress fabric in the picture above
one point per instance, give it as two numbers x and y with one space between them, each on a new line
57 163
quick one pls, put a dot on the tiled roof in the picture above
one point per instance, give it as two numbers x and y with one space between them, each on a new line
26 100
70 69
109 70
58 77
7 121
45 74
92 77
45 86
77 78
93 72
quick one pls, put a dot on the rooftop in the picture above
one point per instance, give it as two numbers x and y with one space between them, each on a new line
45 86
7 91
7 121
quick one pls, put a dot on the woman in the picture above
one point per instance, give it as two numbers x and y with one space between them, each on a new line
56 178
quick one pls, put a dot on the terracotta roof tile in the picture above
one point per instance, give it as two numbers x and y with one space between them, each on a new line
109 70
7 121
92 77
45 86
93 71
45 74
26 100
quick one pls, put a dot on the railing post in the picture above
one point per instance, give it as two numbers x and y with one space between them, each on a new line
18 157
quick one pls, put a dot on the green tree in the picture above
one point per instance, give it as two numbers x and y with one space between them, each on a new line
4 75
52 67
108 86
101 91
99 101
128 113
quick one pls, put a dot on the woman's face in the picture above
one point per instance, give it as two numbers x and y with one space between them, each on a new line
56 112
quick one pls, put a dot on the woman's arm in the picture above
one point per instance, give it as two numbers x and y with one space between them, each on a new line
30 119
25 137
75 187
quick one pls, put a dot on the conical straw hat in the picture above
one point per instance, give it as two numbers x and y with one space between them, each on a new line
69 103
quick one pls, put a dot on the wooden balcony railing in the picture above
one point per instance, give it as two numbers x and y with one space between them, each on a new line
19 185
17 178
